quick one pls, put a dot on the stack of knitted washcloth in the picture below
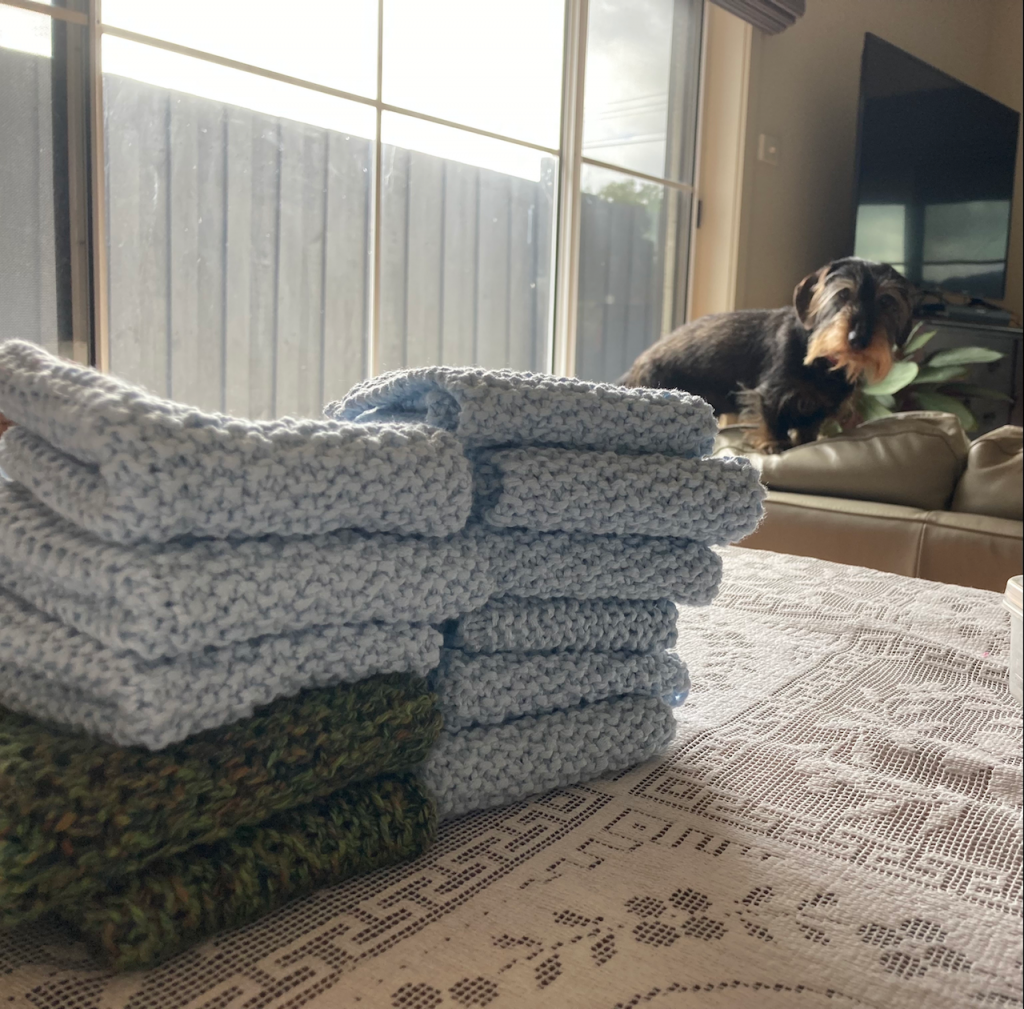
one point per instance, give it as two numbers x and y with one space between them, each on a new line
597 511
214 642
240 660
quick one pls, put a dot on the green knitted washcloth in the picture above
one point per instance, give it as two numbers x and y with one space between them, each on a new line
77 814
175 902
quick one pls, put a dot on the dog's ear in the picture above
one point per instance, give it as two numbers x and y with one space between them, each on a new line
804 291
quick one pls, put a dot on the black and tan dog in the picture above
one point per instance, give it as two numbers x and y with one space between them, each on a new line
788 369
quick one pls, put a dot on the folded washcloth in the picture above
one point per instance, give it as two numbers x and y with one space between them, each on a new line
131 467
178 901
80 817
528 563
172 598
512 624
53 672
488 408
490 689
708 500
496 764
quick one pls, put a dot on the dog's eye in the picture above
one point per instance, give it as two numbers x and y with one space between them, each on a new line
887 301
842 295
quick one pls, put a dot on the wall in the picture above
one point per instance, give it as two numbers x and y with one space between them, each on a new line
803 89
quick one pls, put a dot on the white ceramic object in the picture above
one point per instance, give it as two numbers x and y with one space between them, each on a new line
1013 602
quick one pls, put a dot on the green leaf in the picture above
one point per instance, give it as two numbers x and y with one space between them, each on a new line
947 404
900 375
964 355
977 391
929 375
917 340
870 409
830 428
884 399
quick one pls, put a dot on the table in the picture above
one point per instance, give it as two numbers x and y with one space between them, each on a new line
837 824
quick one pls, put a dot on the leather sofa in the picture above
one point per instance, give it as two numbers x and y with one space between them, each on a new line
909 494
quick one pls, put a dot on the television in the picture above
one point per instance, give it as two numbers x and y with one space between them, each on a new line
934 178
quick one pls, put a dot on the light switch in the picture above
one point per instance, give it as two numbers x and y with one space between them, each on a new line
768 149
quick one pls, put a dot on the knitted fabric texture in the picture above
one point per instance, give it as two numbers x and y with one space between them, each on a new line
538 564
130 467
512 624
176 902
490 408
53 672
708 500
492 765
79 816
490 689
168 599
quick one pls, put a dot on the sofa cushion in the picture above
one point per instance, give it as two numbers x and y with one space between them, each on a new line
952 547
913 459
993 482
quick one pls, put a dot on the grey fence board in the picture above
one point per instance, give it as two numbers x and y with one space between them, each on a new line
458 264
423 253
28 275
347 264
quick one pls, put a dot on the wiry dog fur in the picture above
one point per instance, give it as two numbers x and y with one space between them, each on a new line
788 369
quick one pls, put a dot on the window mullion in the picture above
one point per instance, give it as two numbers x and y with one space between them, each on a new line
567 239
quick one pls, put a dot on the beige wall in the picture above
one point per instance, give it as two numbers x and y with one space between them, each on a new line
803 89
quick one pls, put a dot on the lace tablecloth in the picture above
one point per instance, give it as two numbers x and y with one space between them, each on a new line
838 824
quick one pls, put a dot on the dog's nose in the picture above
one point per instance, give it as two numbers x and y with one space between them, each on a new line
857 337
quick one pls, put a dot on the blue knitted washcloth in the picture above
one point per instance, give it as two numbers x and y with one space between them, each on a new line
172 598
492 765
708 500
52 672
131 467
512 624
490 689
490 408
528 563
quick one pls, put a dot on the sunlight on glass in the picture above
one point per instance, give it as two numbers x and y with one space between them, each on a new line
881 232
25 31
330 42
496 65
970 230
458 145
623 221
234 87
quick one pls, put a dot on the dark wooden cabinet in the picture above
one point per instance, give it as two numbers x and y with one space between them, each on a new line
1003 376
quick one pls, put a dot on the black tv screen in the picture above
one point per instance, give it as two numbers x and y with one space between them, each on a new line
935 166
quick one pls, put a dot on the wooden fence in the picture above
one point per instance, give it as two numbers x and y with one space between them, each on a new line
239 266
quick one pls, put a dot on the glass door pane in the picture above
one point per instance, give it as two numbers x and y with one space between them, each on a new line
330 42
495 65
640 101
238 231
630 232
466 237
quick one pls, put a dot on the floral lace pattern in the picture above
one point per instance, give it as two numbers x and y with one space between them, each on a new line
838 824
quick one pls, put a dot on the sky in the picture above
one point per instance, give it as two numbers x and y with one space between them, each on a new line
495 65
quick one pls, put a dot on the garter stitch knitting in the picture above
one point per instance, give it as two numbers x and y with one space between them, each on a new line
492 765
178 901
490 408
528 563
490 689
79 816
513 624
707 500
129 466
168 599
51 671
